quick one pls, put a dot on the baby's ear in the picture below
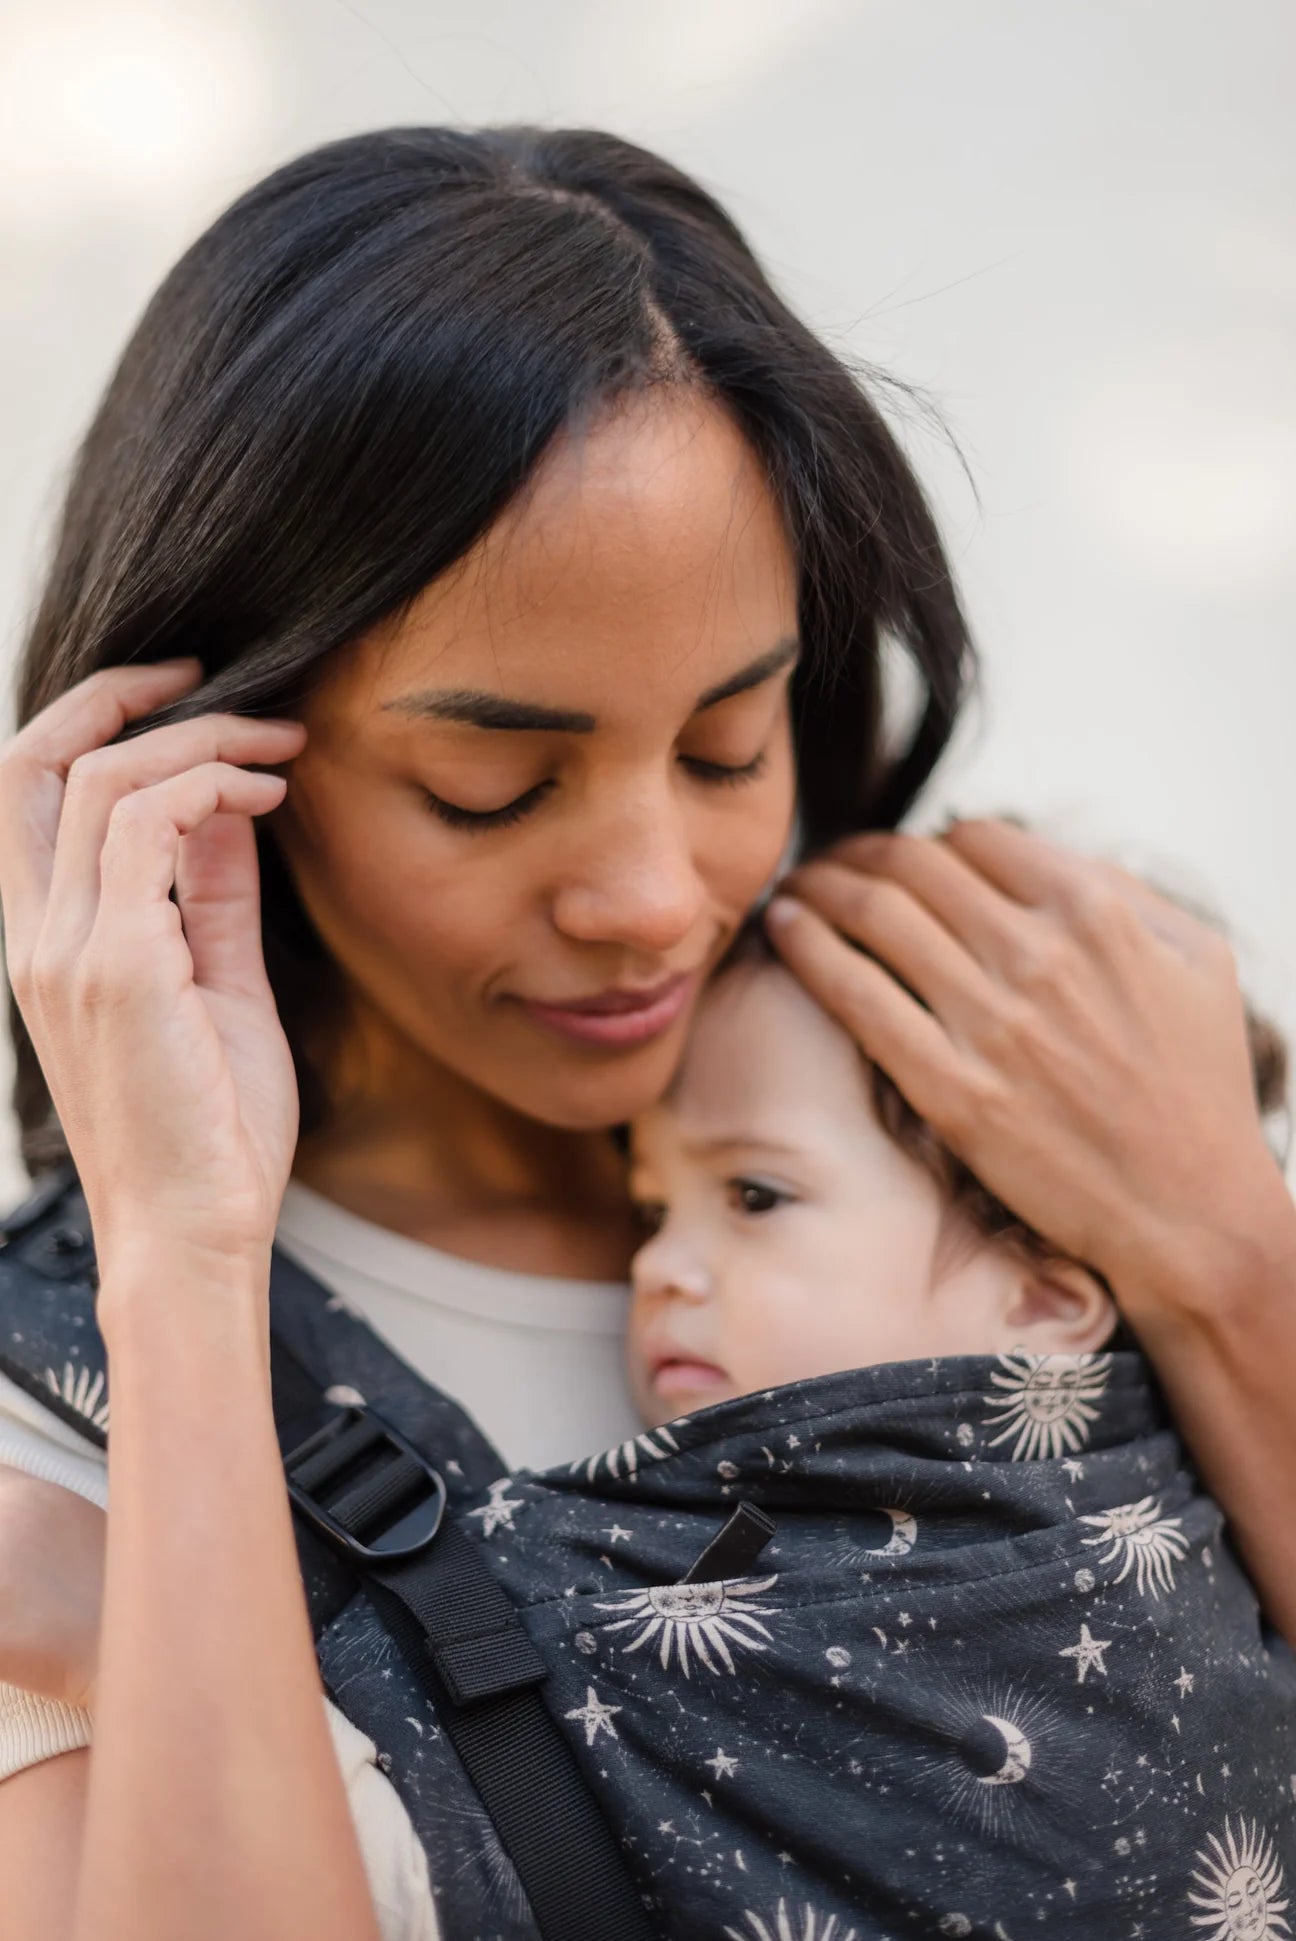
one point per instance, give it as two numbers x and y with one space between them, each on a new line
1057 1307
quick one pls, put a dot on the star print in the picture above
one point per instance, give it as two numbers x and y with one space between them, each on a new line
1088 1654
1185 1681
595 1716
722 1765
794 1442
498 1513
1174 1720
1074 1469
905 1618
1069 1887
618 1535
665 1826
785 1859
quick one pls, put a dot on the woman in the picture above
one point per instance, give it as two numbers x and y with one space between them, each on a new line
491 462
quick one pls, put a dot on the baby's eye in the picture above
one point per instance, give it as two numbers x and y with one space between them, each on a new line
651 1215
754 1196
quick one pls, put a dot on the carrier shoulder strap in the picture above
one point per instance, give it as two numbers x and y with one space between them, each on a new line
384 1505
372 1514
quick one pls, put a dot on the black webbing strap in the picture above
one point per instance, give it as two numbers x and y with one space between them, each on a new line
466 1644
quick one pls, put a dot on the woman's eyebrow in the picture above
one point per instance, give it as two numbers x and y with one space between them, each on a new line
753 675
480 709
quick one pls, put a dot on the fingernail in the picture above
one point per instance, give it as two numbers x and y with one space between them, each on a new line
782 910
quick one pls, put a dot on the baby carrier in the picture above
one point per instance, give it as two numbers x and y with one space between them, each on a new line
946 1648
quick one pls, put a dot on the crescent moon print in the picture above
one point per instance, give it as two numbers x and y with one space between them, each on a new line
1047 1402
702 1618
812 1927
1242 1881
904 1535
1151 1544
990 1754
1018 1754
625 1458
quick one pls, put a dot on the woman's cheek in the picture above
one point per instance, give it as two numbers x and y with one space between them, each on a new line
749 841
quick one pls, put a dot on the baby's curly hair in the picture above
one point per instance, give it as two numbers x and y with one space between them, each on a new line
985 1214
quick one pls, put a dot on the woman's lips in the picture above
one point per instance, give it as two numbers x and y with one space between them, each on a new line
617 1018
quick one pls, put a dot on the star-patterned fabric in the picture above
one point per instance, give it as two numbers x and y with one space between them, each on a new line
996 1672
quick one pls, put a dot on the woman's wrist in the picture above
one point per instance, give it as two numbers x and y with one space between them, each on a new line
1216 1270
152 1285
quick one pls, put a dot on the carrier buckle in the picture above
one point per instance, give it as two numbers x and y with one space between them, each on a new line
352 1474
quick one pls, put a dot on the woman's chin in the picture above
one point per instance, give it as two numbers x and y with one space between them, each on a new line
593 1094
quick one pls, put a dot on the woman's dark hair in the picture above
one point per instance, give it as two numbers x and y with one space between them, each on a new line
346 379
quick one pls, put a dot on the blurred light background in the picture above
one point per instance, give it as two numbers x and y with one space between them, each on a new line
1069 222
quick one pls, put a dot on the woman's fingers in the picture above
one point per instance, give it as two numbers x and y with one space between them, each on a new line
971 907
100 780
33 771
138 860
218 889
890 1027
1023 866
886 918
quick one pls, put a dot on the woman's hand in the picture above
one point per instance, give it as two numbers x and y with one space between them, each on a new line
51 1587
153 1020
1080 1043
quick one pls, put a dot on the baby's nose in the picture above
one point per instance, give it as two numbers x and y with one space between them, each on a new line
667 1265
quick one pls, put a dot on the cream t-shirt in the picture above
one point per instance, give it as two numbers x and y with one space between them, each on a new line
535 1360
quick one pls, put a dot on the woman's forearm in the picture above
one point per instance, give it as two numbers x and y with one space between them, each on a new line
216 1805
1217 1315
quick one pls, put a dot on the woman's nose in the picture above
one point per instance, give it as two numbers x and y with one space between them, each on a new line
636 882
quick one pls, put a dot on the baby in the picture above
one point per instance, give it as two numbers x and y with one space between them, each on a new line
792 1233
804 1220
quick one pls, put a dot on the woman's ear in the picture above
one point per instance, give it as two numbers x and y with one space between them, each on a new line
1056 1307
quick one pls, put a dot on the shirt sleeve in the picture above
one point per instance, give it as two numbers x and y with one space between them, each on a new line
33 1439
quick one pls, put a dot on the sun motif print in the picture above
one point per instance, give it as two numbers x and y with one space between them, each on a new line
698 1618
787 1927
76 1388
1046 1402
1241 1883
1150 1544
625 1458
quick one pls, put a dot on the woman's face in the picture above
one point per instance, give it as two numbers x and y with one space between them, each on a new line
530 815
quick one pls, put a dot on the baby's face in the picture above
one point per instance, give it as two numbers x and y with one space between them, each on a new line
791 1236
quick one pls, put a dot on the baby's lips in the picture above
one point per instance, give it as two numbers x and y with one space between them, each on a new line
679 1374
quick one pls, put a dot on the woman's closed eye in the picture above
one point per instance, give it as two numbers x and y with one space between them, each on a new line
723 772
456 816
